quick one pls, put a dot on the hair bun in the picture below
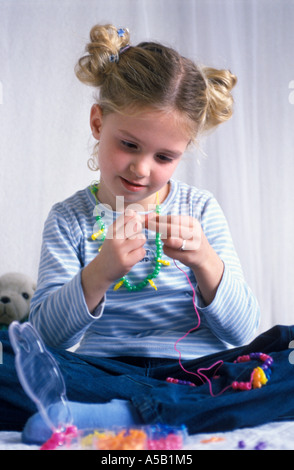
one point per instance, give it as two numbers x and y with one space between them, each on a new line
105 43
219 97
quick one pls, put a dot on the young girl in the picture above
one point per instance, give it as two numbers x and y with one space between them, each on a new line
121 259
152 104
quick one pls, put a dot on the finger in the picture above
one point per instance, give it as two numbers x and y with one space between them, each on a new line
174 243
179 244
125 226
174 226
135 242
133 227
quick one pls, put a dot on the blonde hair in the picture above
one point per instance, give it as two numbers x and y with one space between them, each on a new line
151 75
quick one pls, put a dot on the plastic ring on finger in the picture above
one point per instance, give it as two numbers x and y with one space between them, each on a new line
183 245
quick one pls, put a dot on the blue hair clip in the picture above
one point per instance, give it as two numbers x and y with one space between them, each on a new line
121 32
113 58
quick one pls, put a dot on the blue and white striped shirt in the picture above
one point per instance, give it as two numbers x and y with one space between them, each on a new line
149 322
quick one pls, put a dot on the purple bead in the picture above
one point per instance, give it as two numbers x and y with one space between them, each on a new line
241 445
269 361
260 446
254 355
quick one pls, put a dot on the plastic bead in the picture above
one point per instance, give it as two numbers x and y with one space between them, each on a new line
60 438
133 439
97 234
181 382
152 284
162 261
118 285
260 446
241 445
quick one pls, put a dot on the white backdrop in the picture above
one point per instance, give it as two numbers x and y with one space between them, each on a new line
45 135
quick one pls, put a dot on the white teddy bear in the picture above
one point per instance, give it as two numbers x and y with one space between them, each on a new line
16 291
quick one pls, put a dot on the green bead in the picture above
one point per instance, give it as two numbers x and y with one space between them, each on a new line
157 270
126 281
137 287
143 283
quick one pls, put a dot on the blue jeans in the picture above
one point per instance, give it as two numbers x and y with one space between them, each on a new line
142 382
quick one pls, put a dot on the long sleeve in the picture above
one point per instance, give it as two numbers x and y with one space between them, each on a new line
234 314
58 308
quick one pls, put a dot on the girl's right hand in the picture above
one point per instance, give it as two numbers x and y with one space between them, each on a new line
123 246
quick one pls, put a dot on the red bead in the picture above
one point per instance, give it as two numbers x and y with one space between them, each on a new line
241 385
245 358
264 357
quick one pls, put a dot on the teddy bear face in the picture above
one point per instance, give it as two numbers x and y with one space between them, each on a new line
16 291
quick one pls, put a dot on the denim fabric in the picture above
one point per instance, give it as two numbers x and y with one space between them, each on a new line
142 382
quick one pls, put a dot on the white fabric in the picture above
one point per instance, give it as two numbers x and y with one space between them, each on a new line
44 122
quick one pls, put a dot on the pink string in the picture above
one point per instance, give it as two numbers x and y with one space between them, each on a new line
199 374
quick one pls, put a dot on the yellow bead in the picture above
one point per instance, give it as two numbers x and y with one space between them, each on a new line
162 261
97 234
152 284
118 285
259 378
263 377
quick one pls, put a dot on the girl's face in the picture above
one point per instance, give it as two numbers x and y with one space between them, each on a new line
137 154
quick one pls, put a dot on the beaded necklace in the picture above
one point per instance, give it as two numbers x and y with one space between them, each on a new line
159 262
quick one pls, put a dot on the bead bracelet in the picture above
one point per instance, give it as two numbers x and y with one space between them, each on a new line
259 376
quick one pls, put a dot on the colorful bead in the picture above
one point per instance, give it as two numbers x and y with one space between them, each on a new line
241 385
258 378
118 285
133 439
97 234
212 440
181 382
241 445
60 438
260 446
164 437
152 284
153 437
164 262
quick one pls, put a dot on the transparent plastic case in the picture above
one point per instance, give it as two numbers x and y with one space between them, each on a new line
42 380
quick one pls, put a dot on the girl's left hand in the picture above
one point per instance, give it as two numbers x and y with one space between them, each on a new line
185 241
182 236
